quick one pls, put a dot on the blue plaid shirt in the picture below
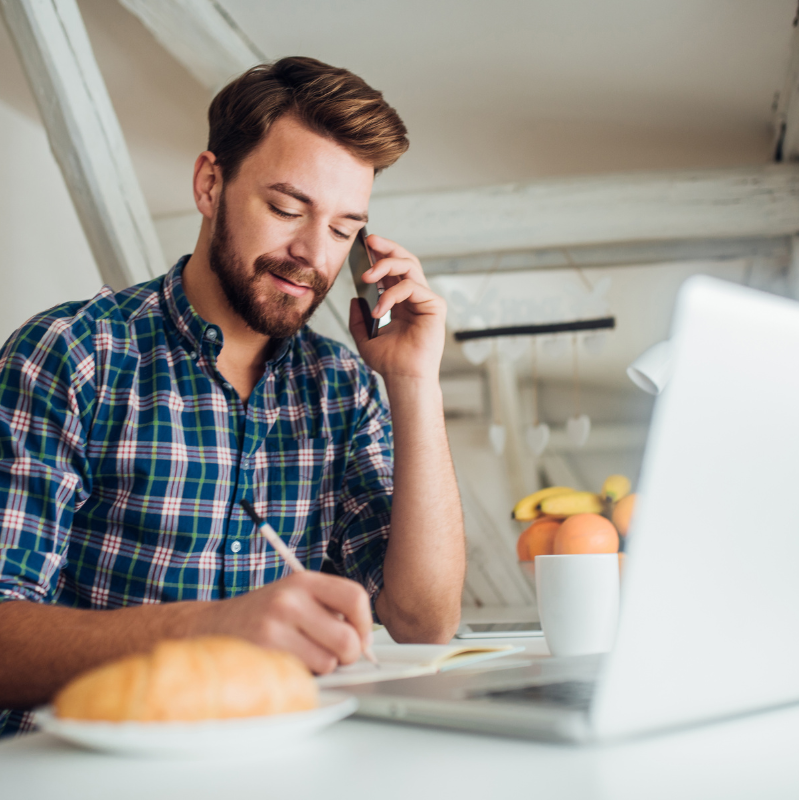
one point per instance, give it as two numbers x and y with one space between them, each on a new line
124 454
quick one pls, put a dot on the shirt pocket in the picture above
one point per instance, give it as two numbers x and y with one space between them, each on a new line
292 481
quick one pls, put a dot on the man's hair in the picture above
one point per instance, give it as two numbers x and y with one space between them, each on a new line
329 101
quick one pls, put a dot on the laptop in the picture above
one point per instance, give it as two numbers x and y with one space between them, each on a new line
708 622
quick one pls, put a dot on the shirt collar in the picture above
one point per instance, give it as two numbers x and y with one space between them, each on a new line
192 328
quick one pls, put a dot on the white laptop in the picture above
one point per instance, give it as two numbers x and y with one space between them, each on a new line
709 610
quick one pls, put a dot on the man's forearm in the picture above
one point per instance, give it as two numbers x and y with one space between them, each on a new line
324 620
42 647
425 559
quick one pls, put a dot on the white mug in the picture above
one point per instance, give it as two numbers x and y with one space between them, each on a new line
578 597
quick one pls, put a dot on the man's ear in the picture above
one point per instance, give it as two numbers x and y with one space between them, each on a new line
207 183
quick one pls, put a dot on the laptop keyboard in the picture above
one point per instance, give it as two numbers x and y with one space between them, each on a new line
571 694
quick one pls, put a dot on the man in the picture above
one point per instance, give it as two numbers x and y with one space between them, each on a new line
132 425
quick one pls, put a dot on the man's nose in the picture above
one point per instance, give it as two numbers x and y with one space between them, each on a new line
309 247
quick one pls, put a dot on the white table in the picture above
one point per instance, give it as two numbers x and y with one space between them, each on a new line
751 759
747 758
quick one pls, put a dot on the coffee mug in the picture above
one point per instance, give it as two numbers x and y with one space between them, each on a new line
578 598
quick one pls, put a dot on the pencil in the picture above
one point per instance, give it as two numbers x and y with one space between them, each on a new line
288 556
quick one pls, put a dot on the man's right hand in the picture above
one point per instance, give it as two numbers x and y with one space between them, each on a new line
323 619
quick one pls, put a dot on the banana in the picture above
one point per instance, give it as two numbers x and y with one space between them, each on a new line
615 487
528 508
565 505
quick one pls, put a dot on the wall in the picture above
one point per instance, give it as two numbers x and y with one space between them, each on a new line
44 258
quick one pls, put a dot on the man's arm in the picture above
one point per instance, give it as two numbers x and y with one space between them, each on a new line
425 560
423 572
42 647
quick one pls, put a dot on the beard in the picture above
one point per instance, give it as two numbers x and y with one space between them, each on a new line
278 314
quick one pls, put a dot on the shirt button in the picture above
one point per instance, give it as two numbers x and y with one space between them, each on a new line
236 547
211 334
193 355
227 386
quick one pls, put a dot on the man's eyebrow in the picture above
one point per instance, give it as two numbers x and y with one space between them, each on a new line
293 191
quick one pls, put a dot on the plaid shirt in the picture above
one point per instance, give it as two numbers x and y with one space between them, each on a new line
124 454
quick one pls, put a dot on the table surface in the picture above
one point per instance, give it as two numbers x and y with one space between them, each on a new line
747 757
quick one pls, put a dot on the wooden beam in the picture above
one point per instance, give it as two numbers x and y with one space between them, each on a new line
773 250
784 123
85 137
201 35
576 212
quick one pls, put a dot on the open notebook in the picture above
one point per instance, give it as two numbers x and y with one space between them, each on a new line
410 660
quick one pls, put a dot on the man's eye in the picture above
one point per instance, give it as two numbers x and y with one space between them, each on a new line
340 234
284 214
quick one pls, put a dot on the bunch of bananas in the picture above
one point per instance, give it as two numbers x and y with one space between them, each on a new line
563 501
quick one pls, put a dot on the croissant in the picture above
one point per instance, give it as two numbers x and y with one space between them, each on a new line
210 677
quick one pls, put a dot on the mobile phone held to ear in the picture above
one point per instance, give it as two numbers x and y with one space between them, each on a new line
368 293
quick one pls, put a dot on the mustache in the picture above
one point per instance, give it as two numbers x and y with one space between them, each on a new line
291 272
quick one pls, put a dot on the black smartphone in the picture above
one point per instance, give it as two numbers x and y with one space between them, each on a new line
368 293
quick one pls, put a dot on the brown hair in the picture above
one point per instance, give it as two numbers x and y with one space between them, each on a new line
330 101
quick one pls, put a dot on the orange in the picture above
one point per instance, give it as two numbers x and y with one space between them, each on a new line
623 511
586 533
537 539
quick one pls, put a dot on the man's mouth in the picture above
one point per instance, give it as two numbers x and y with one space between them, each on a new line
289 287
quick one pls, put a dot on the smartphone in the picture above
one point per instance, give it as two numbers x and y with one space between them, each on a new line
368 293
498 630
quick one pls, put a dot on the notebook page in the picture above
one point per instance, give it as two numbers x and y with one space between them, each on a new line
411 660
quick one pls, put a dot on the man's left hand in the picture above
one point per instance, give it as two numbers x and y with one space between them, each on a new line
411 345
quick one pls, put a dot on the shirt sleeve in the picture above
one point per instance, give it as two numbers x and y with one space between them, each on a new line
363 514
46 404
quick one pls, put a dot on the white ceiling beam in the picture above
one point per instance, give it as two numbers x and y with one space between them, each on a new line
201 35
576 212
178 232
85 137
785 107
767 250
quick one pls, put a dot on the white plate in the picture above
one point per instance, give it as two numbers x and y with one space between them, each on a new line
218 738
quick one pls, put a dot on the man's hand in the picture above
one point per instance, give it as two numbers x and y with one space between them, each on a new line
323 619
411 345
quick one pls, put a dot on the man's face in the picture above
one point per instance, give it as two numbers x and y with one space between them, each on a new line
284 226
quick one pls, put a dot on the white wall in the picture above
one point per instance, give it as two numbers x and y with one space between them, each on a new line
44 257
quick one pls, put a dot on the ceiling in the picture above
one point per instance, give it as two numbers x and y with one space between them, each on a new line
519 89
491 92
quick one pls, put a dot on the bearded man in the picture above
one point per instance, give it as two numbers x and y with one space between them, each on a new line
132 425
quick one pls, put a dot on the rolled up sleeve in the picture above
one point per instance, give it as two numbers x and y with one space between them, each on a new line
46 401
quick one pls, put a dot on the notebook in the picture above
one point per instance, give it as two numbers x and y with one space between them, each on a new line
411 660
